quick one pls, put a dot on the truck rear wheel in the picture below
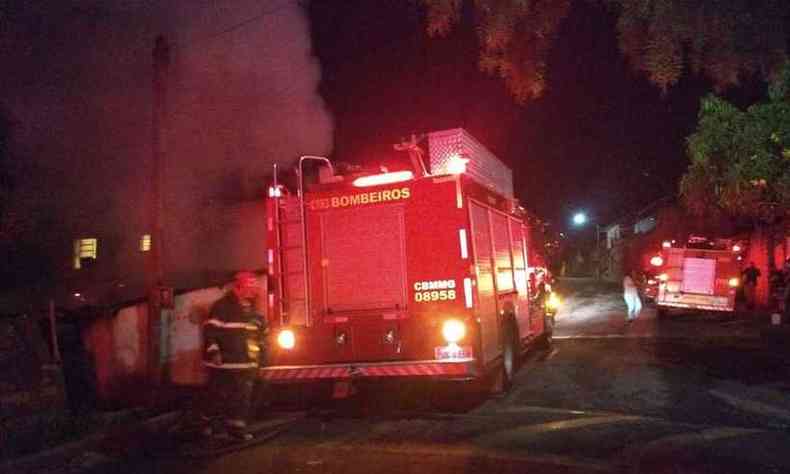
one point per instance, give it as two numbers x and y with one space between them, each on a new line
503 379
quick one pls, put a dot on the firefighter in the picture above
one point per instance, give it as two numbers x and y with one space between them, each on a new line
233 339
750 275
538 293
533 283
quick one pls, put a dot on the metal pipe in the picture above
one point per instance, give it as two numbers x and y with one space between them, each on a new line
278 245
304 228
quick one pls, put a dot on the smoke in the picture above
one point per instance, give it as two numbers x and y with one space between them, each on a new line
241 95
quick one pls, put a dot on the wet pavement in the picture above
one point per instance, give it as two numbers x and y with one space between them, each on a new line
650 397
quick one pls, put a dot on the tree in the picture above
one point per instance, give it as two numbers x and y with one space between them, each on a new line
722 40
740 160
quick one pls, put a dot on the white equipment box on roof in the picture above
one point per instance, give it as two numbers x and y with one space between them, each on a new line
483 166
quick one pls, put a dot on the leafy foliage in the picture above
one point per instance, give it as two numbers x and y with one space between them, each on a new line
515 37
719 39
740 159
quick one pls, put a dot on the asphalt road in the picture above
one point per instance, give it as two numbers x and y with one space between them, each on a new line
688 395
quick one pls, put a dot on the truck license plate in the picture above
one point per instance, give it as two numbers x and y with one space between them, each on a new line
453 351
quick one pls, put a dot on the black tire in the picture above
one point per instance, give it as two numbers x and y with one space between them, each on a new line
505 373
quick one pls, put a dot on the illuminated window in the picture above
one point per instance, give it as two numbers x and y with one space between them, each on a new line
145 243
84 248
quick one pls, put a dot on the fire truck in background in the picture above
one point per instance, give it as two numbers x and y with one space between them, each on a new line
417 273
701 276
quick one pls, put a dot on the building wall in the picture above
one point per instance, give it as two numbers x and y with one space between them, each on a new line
117 344
131 359
223 240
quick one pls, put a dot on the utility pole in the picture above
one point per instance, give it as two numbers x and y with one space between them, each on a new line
155 273
161 57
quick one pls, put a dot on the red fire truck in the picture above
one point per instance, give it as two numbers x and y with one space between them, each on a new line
702 275
411 273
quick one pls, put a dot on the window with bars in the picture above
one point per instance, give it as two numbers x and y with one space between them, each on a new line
85 249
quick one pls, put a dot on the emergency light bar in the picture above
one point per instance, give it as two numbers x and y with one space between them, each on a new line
383 178
457 165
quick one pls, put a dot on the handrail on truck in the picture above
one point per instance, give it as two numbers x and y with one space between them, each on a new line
304 227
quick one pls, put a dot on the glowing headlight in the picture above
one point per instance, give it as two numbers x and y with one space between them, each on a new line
554 301
734 282
657 261
453 330
663 277
286 339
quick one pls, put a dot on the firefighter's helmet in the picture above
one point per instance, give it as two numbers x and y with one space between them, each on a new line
246 285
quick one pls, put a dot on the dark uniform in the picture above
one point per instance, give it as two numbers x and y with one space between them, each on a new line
233 346
750 275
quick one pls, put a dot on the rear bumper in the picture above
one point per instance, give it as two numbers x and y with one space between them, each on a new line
453 369
693 301
700 307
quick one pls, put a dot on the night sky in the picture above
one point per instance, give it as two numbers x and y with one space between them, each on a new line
602 138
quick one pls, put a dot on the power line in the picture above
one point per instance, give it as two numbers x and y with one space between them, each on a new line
242 23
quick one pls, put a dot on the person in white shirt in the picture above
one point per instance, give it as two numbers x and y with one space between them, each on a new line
631 296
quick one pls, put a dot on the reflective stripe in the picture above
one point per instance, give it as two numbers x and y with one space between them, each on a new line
468 292
464 248
239 365
222 324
